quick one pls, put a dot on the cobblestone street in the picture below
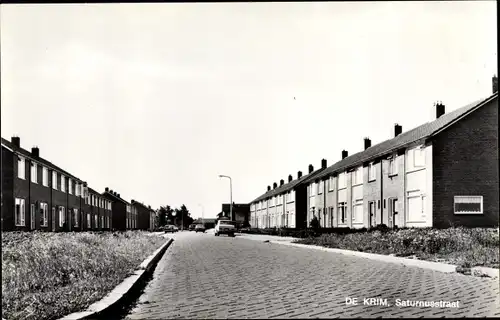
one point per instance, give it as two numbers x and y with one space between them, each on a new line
203 276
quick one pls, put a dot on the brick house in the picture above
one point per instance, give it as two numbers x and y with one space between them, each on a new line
143 215
121 210
440 174
36 194
99 212
284 205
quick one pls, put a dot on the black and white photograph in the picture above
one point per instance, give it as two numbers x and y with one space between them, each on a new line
249 160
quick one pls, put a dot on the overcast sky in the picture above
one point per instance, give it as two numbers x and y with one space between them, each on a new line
156 100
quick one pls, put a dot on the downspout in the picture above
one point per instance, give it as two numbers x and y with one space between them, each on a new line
382 203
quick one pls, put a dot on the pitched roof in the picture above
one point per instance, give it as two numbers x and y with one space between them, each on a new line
421 132
288 186
112 196
41 160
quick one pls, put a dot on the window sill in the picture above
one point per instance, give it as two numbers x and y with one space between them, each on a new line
464 213
20 225
21 178
34 182
393 175
371 180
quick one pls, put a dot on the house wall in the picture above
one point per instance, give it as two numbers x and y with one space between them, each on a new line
394 188
465 160
7 200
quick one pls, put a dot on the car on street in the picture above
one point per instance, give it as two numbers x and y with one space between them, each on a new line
225 227
192 227
170 228
199 228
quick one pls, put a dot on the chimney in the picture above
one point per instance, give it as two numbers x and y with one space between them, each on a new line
299 174
111 191
439 109
35 152
311 168
268 188
368 143
290 178
495 84
323 163
397 130
16 141
106 189
275 185
118 195
344 154
282 182
133 201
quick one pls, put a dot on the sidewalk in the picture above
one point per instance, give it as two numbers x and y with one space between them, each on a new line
264 237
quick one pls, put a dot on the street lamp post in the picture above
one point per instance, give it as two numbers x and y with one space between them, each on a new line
202 213
230 195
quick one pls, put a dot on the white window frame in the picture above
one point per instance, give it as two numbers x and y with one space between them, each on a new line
70 186
44 214
96 221
102 221
357 176
412 194
21 164
467 212
62 216
331 183
320 187
342 181
63 183
45 176
33 216
54 180
357 203
372 172
77 189
419 154
34 172
312 189
393 166
20 216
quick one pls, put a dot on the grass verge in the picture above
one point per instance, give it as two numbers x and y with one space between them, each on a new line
49 275
465 247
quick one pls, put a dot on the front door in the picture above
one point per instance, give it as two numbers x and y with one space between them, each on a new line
53 219
371 212
32 216
393 212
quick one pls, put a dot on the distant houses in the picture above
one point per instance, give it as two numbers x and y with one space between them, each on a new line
38 195
440 174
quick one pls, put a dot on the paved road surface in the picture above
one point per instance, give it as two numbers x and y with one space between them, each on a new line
203 276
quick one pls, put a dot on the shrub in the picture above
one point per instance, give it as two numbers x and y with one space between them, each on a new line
315 223
48 275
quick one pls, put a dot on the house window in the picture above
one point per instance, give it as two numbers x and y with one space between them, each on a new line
63 183
320 187
312 189
342 212
34 176
45 177
419 157
62 216
468 204
21 168
96 221
77 189
393 166
70 186
44 214
20 212
358 176
331 184
89 222
54 180
102 221
372 172
357 211
342 182
416 206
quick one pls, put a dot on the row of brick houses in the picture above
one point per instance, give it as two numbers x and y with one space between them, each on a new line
443 173
38 195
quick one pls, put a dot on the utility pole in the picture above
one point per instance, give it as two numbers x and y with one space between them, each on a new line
230 195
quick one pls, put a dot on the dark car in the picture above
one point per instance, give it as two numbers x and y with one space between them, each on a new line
191 227
199 228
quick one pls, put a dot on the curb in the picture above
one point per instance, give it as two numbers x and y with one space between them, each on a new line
113 301
431 265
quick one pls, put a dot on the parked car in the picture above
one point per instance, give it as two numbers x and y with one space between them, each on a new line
199 228
192 227
225 227
170 228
